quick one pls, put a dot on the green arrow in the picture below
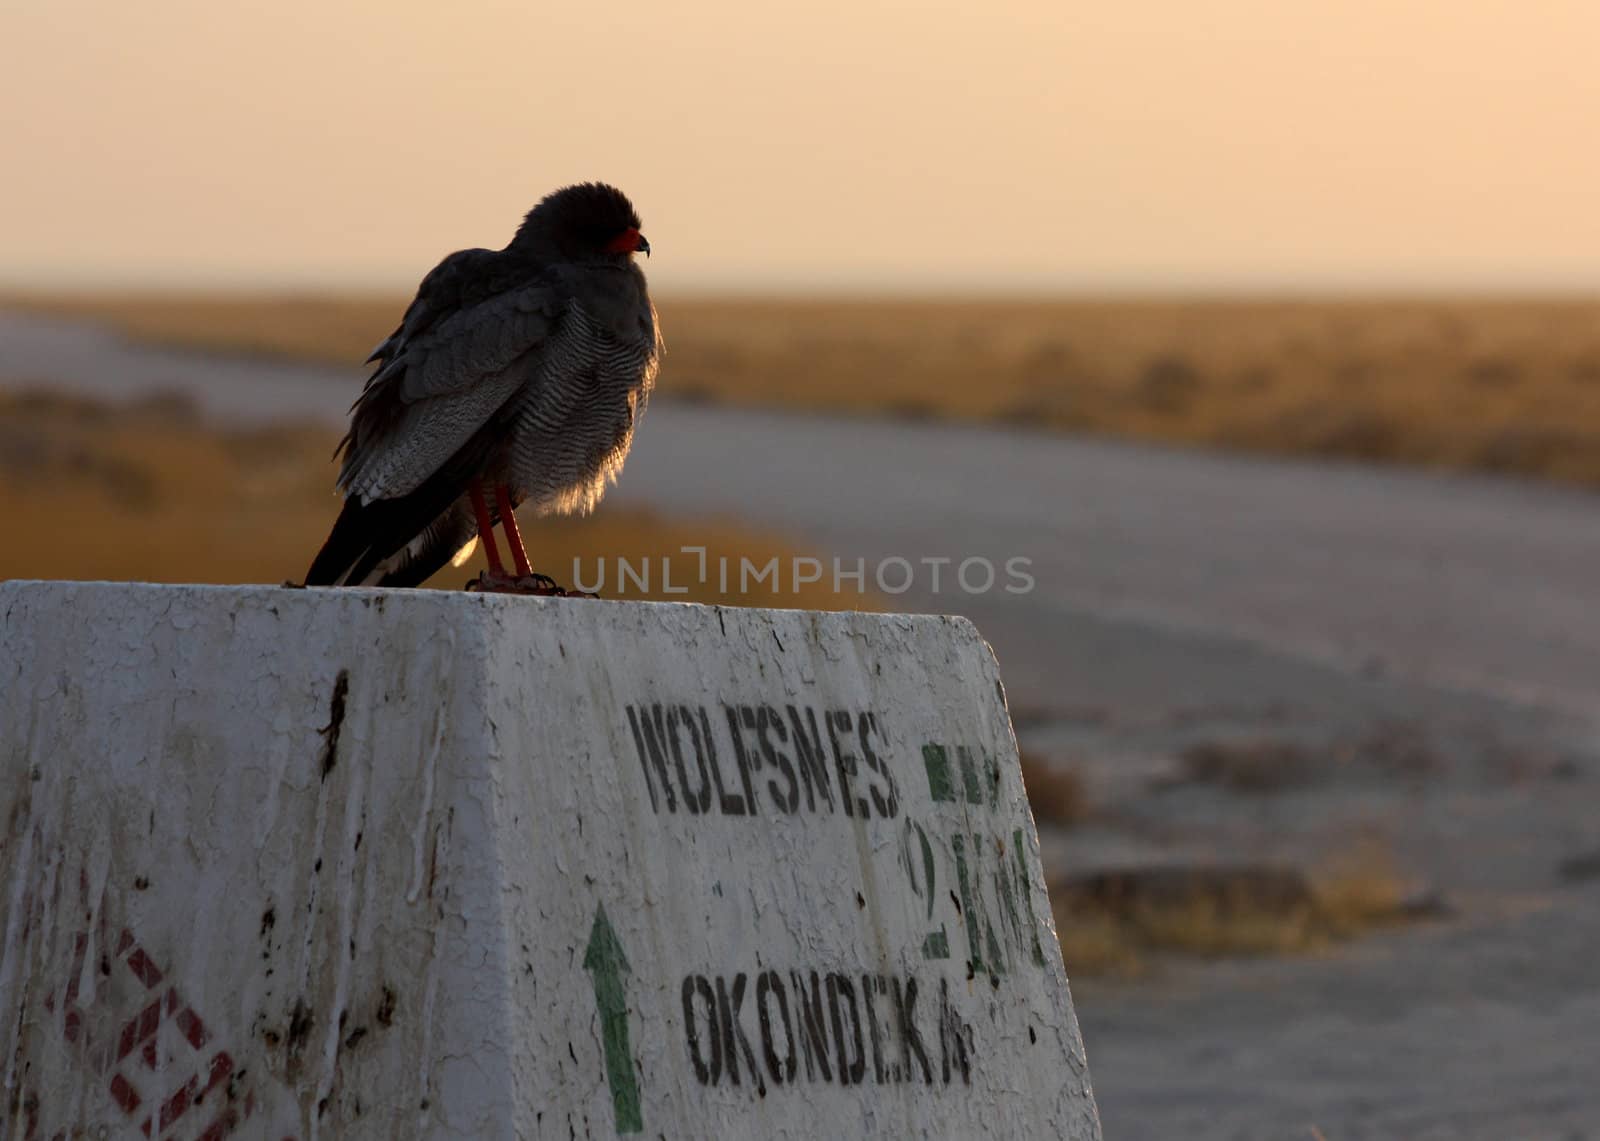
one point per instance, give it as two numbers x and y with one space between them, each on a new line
605 962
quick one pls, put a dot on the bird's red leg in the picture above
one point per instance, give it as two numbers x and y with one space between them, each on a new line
486 530
508 520
497 581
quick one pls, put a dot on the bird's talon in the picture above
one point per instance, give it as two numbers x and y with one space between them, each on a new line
536 585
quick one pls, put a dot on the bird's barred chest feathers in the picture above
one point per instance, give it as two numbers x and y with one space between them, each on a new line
571 437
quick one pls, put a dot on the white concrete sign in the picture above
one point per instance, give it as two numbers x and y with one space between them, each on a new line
362 864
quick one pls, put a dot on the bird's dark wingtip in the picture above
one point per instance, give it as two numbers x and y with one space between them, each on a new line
346 543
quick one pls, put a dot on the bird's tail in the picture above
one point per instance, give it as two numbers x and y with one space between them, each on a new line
392 542
345 544
404 540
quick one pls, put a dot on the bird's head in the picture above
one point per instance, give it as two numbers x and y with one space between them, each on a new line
587 222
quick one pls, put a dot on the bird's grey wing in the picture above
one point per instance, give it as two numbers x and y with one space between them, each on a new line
439 384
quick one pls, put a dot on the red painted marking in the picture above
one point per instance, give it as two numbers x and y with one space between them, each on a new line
143 969
193 1029
179 1103
124 1094
624 243
142 1033
174 1003
141 1026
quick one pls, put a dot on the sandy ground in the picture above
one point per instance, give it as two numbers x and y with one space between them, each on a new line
1428 645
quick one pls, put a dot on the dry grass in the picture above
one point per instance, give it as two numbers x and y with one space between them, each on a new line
1509 386
1390 749
1112 922
151 493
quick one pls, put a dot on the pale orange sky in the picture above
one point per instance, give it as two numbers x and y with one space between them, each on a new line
1123 144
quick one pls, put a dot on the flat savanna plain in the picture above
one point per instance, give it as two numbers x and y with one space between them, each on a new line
1500 385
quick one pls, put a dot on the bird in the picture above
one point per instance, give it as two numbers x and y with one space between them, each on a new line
516 376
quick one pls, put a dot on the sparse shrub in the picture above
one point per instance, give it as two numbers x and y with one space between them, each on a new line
1056 795
1397 748
1493 372
1529 448
1333 430
1255 379
1050 364
1168 384
1110 920
923 411
1258 765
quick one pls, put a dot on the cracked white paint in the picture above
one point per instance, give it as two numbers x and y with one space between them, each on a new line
390 941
